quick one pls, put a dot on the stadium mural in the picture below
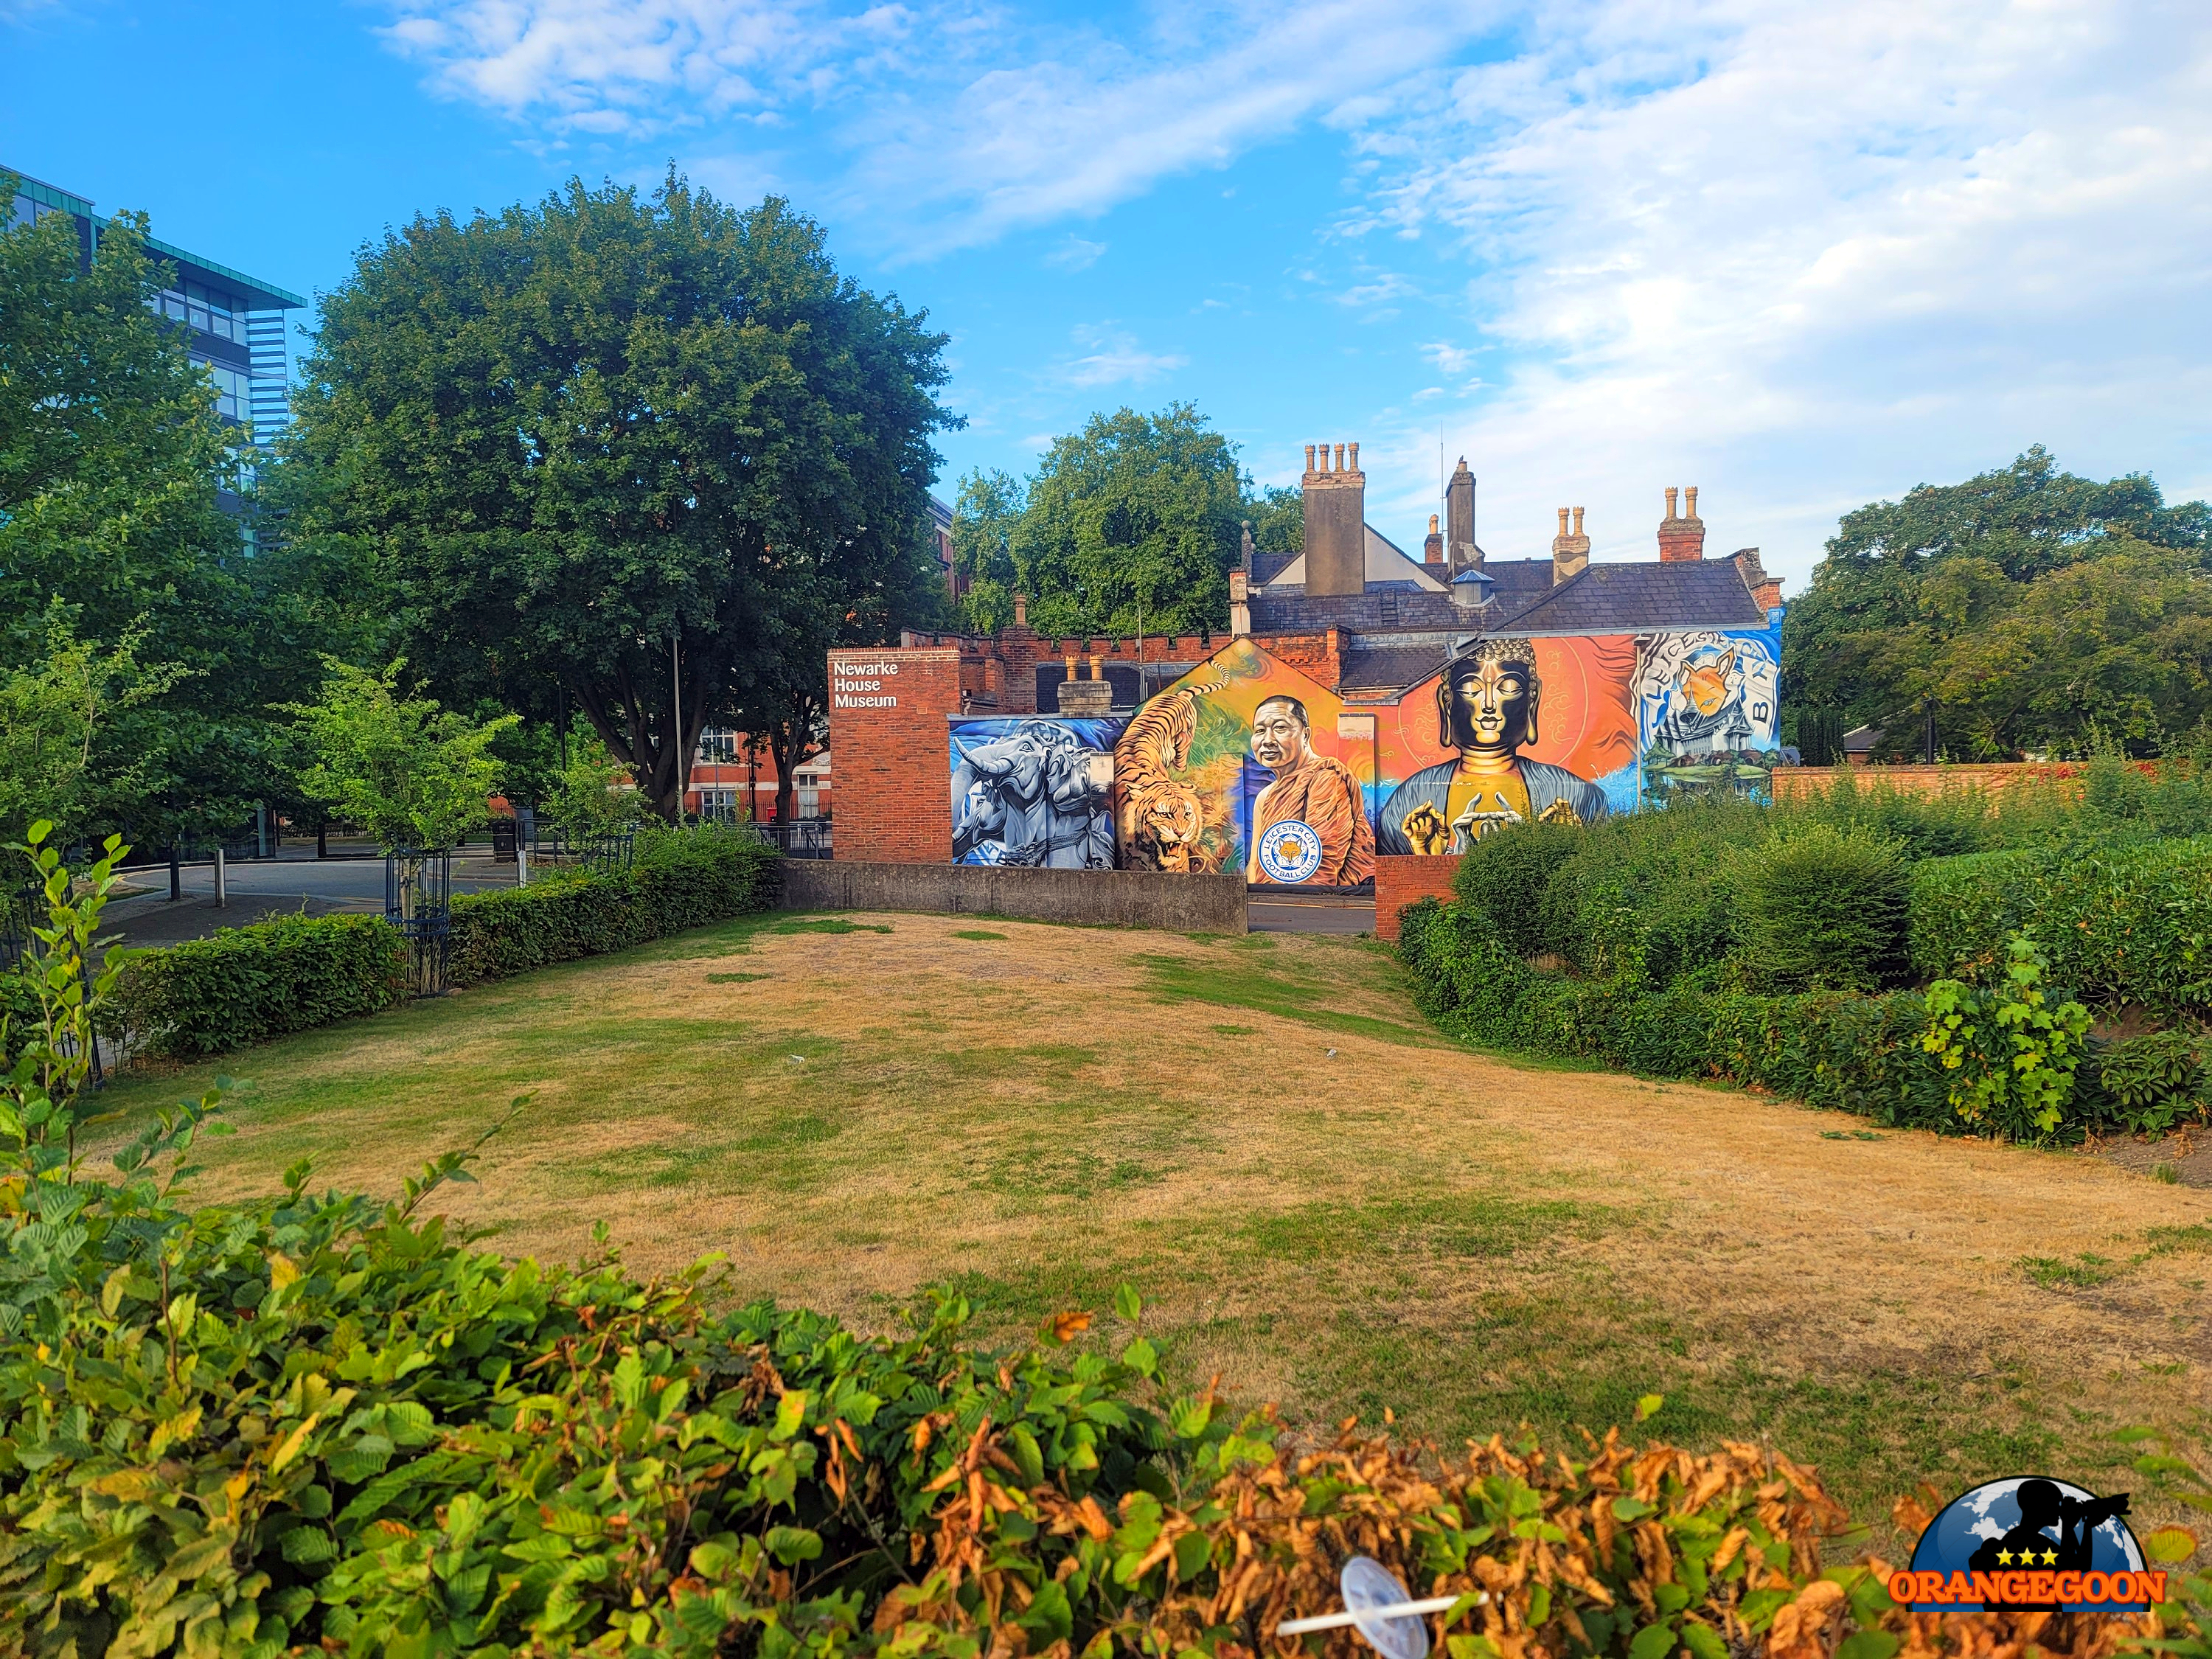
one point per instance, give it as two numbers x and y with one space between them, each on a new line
1246 764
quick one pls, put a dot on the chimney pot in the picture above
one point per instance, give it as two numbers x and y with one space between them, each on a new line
1578 522
1355 459
1021 611
1692 512
1671 493
1563 521
1310 465
1432 524
1097 672
1339 457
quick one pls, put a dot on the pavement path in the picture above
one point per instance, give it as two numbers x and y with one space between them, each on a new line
259 889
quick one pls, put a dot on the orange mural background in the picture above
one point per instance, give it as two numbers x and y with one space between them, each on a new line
1586 721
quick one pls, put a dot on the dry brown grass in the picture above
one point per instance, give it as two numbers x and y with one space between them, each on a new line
1325 1201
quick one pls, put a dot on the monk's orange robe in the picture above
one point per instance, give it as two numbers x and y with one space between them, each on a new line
1323 794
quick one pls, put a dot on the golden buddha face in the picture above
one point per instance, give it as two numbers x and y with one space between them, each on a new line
1493 707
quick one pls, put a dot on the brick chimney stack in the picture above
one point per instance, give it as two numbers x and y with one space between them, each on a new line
1432 550
1681 537
1335 502
1460 549
1765 589
1570 548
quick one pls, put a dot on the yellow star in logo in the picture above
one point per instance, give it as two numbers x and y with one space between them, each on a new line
2004 1557
2050 1558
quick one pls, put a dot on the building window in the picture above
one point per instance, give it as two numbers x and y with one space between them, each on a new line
233 390
719 806
209 310
718 747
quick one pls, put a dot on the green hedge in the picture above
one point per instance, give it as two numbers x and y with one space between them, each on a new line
1860 1053
2123 925
247 985
679 881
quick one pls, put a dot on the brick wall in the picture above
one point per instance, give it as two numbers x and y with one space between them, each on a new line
890 747
1400 881
1803 782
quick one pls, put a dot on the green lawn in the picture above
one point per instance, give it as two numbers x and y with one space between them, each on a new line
1324 1200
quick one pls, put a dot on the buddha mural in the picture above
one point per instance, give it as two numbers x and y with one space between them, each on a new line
1488 703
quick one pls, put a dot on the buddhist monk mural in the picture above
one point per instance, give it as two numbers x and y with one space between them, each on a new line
1238 767
1309 825
1489 707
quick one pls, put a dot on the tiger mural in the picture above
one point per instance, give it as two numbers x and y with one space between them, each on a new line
1157 816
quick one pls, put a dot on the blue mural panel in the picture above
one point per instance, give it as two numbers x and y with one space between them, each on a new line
1034 790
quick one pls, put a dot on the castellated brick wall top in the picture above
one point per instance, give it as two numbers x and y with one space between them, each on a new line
888 740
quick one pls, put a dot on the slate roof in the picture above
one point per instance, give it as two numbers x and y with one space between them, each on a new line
1396 635
1630 599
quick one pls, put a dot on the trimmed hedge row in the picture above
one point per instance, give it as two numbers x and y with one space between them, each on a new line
677 882
247 985
2122 925
1860 1053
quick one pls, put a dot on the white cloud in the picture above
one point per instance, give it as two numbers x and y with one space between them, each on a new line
1114 358
958 119
1815 252
1075 254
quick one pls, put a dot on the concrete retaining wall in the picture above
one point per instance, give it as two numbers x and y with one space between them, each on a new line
1119 899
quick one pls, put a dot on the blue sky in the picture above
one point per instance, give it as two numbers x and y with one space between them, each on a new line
1801 256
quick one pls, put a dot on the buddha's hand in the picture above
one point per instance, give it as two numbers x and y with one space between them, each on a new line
1426 831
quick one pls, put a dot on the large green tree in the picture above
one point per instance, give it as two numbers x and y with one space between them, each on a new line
1136 519
647 449
2040 612
111 455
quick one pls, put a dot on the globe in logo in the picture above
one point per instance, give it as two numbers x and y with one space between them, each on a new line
2029 1543
1290 851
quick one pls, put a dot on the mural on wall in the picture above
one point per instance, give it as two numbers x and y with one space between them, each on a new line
1034 791
1708 706
1239 765
1489 707
1246 764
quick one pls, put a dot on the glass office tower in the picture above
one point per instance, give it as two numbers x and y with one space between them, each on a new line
236 322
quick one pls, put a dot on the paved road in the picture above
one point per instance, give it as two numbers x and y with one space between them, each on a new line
259 889
1312 915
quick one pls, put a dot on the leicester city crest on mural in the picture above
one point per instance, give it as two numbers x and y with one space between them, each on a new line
1290 851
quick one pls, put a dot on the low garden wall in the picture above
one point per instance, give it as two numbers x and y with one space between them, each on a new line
1401 881
1805 783
1116 898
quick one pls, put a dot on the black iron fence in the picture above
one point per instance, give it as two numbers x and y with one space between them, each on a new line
418 901
801 838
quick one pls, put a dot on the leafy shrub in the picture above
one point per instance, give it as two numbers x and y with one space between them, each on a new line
2123 925
2009 1055
247 985
1648 895
1505 875
2150 1082
1821 908
1852 1053
678 880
